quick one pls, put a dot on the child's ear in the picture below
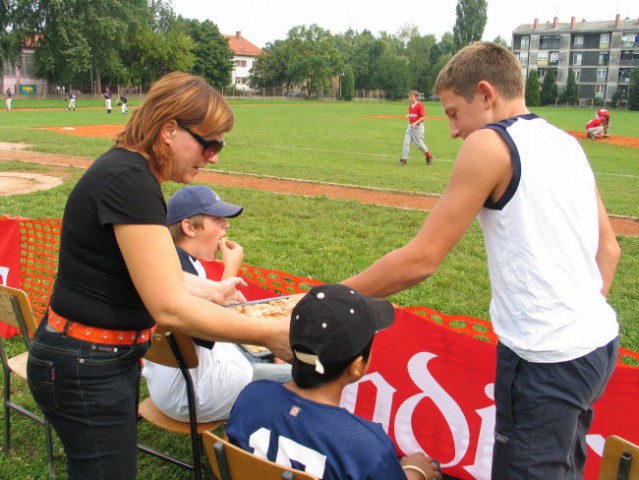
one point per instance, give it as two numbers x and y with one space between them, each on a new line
187 227
358 368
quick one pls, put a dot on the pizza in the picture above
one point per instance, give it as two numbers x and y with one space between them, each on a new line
268 310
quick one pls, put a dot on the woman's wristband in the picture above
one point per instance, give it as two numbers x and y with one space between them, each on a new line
416 469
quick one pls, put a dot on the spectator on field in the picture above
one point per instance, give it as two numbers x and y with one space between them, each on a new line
595 128
300 423
198 221
604 116
119 274
531 187
415 129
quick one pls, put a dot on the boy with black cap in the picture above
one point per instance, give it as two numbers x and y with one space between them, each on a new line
300 423
198 221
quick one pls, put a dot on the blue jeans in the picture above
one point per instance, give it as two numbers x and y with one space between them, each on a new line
544 411
89 394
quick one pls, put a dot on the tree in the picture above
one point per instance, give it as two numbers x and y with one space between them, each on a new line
106 26
499 40
213 56
363 57
470 23
348 84
391 74
271 69
570 93
533 89
315 59
62 51
418 51
158 45
549 89
633 94
12 37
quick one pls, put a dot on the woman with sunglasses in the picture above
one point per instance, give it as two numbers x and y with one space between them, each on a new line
119 275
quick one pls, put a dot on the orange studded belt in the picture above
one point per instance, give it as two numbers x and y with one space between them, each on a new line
97 335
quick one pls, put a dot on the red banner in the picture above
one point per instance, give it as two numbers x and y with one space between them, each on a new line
432 390
429 386
9 262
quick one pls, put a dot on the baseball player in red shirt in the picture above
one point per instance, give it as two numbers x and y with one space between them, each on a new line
415 130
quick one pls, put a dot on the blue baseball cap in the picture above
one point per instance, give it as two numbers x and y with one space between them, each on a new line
198 200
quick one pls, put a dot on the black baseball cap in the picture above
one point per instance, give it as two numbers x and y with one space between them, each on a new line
335 323
198 200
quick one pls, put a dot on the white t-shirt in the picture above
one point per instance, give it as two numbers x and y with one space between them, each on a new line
221 375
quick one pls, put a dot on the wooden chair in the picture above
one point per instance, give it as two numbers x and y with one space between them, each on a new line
176 350
15 310
620 460
232 463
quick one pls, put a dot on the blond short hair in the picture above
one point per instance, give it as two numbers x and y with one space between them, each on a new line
479 61
179 96
177 234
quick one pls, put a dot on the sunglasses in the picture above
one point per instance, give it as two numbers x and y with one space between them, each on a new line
209 147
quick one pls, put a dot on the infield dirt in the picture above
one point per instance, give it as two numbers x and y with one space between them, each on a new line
621 225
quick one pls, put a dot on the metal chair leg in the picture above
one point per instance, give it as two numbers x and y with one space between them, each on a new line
51 458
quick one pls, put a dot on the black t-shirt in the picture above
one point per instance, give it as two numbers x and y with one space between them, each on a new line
93 285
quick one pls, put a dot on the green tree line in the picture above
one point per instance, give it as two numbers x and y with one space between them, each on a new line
310 57
90 43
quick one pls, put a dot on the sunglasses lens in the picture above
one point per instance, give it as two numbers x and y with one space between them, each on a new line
213 148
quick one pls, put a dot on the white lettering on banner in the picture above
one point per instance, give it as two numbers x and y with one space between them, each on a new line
482 467
4 275
417 368
383 400
596 442
421 377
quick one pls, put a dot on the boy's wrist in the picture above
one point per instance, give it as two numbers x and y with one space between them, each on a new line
413 472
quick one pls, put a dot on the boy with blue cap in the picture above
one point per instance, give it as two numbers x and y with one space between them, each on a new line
198 221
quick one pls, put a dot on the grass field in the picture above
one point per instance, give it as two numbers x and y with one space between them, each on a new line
344 143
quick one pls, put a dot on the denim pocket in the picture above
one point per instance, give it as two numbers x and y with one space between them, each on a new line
111 355
40 376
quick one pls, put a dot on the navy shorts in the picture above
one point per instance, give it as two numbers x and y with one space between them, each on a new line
544 411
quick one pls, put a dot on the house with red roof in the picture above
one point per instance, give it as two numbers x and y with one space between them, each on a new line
245 55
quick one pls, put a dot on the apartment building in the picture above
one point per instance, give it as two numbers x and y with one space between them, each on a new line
602 54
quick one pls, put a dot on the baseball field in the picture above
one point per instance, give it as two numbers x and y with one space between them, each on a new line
304 227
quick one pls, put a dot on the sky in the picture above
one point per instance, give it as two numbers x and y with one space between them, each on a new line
264 21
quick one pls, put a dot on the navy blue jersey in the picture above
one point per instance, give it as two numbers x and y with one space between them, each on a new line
326 441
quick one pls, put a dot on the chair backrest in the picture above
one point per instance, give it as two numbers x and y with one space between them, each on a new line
232 463
162 353
620 460
15 310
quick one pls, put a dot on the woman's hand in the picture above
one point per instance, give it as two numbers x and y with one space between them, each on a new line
216 292
277 341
